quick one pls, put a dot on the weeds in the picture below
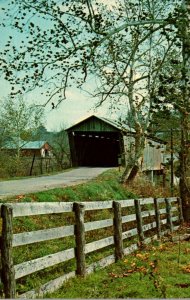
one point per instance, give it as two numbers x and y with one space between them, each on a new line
145 188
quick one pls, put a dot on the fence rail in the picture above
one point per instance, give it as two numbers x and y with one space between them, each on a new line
146 216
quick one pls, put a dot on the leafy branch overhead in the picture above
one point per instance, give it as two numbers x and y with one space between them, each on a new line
62 42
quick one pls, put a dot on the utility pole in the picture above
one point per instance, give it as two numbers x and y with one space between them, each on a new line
172 164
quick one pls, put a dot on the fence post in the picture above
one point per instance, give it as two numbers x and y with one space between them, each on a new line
139 220
117 222
8 272
79 210
181 219
157 216
169 214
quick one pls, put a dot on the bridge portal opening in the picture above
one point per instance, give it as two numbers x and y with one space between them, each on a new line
97 149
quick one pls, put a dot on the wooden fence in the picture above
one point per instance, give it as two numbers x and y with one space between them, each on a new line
158 216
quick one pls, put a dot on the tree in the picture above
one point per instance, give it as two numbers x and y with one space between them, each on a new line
130 69
184 32
175 87
61 150
173 95
42 133
75 37
18 122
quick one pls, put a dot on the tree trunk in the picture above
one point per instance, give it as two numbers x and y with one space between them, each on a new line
129 174
133 164
184 170
133 167
185 153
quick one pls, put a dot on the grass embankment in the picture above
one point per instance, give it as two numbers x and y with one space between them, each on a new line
156 272
104 187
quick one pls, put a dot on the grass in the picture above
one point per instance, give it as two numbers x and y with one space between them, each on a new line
155 272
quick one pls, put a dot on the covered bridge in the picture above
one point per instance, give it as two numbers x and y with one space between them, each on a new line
99 141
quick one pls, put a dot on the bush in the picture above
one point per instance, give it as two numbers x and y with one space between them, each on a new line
12 166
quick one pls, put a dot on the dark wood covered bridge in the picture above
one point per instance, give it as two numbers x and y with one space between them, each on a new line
100 142
95 141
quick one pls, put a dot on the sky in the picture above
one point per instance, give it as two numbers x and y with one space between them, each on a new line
77 106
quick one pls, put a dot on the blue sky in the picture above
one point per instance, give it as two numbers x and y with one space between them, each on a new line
77 105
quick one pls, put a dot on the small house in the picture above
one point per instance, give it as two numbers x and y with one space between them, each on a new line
39 148
30 148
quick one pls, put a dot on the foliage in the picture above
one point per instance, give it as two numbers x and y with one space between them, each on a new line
18 122
61 149
144 188
12 166
42 133
59 143
84 31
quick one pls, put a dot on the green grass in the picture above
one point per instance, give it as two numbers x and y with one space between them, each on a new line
155 272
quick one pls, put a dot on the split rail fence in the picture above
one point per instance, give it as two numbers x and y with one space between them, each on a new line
159 216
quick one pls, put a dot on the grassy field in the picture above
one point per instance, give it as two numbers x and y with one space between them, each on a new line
159 271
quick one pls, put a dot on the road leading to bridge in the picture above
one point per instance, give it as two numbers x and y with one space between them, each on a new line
30 185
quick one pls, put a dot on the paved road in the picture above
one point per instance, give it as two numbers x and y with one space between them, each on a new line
28 185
